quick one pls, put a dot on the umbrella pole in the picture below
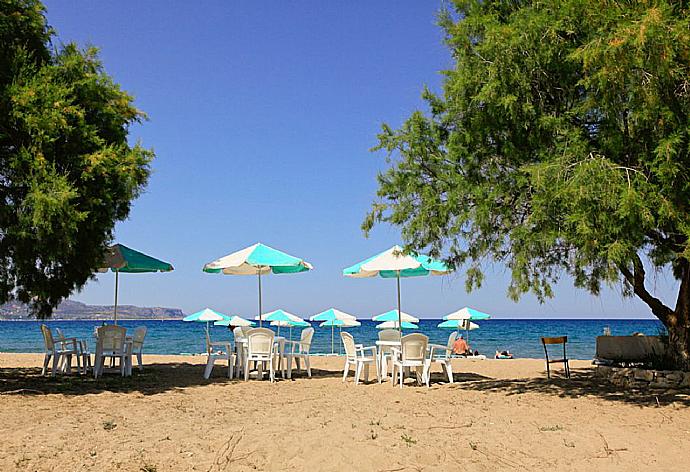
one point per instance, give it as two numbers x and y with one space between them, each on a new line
260 324
340 349
399 312
332 347
117 279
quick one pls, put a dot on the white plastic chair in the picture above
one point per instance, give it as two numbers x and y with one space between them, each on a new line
224 353
68 344
260 349
412 355
442 355
110 343
58 351
138 346
85 355
300 350
240 347
385 352
355 355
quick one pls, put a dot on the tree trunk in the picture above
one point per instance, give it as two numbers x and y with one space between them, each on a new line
677 321
678 326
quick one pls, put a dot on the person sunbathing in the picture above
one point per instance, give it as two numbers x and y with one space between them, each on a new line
460 347
504 355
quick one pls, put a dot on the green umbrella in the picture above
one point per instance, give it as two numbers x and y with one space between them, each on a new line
394 263
120 258
259 260
332 316
206 316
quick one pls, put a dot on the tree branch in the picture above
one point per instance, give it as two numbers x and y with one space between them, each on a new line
636 279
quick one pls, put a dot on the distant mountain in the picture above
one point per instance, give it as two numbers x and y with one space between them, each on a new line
71 310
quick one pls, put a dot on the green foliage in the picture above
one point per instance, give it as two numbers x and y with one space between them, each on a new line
560 144
67 172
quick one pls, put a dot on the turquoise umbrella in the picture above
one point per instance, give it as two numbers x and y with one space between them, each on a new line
397 325
282 318
206 315
234 321
259 260
332 315
120 258
393 315
394 263
345 323
467 313
290 324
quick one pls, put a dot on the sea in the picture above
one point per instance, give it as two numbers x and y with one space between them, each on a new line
521 337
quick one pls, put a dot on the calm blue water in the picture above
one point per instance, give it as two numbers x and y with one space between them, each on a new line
174 337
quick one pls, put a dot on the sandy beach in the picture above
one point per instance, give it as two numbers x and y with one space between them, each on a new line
499 415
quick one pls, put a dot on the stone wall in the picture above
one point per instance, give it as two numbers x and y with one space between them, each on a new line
635 377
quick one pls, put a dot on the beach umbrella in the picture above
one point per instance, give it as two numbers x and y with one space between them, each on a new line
290 324
394 315
282 318
333 314
258 260
462 319
467 325
394 263
234 321
206 316
397 325
120 258
467 313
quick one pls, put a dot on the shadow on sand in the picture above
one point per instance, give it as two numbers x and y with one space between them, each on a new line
159 378
582 383
155 378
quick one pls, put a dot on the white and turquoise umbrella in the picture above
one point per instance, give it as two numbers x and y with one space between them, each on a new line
394 263
258 260
346 323
394 315
234 321
457 325
206 316
467 325
467 313
462 319
331 316
281 318
397 325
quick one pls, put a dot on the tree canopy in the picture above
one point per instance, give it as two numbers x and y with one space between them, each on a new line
560 144
67 171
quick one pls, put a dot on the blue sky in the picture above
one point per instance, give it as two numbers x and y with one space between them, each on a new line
262 115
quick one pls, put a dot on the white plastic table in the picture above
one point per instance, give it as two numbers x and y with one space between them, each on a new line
380 356
241 347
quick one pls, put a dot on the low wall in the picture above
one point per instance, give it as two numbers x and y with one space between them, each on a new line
635 377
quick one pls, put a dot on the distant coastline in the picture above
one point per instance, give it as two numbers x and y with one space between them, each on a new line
70 310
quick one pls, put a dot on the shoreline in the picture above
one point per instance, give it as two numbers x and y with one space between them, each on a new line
316 355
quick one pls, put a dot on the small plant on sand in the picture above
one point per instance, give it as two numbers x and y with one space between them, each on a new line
408 440
148 468
556 427
109 425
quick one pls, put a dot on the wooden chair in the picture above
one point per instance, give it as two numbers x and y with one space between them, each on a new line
557 340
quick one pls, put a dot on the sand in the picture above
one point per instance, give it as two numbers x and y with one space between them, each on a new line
499 415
